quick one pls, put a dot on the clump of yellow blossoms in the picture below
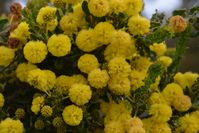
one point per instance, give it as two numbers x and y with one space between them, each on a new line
159 49
22 32
59 45
47 17
87 63
39 124
80 94
98 78
35 51
11 126
72 115
20 113
37 103
46 111
6 56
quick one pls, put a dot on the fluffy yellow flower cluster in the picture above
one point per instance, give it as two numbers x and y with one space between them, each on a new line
11 126
1 100
6 56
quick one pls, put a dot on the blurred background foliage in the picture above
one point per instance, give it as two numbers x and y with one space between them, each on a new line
190 60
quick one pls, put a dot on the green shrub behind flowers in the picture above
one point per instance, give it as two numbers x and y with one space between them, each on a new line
96 66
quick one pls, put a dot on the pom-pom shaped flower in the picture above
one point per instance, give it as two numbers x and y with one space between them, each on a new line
39 124
153 127
165 61
85 41
177 24
23 69
118 6
46 111
141 63
1 100
47 17
72 115
21 33
119 85
58 122
87 63
35 51
119 66
189 124
20 113
59 45
11 126
80 94
159 48
122 45
160 112
171 91
44 80
6 56
69 24
114 127
98 78
37 103
182 103
138 25
99 8
157 98
103 32
133 122
137 79
135 7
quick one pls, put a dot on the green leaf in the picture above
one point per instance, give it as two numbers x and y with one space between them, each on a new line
194 10
3 22
181 12
85 8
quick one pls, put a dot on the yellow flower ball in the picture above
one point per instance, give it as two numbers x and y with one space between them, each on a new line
138 25
72 115
191 78
137 79
6 56
47 17
59 45
46 111
119 66
157 98
58 122
37 103
44 80
177 24
20 113
119 85
121 45
1 100
103 32
171 91
189 124
21 33
78 78
160 112
136 129
117 112
98 78
11 126
39 124
141 63
133 122
182 103
159 48
152 127
165 61
87 63
135 7
85 41
69 24
114 127
58 3
99 8
35 51
80 94
23 69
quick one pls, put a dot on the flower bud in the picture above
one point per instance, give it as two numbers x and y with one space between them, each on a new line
177 23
